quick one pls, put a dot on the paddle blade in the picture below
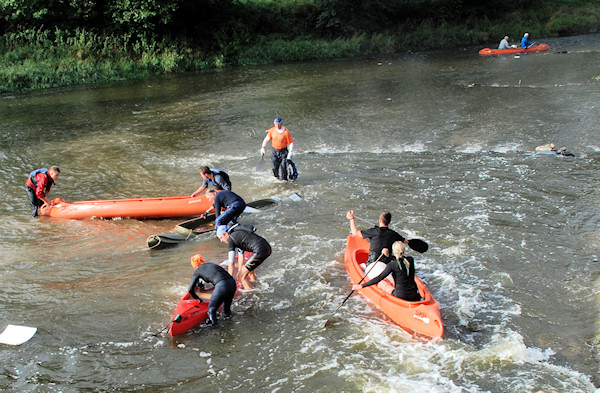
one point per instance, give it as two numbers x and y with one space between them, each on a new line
261 164
418 245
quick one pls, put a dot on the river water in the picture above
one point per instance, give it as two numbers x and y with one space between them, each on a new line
444 140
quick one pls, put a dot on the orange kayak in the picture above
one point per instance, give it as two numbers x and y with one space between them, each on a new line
421 318
514 51
162 207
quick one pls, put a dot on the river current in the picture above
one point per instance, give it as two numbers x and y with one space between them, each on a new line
444 140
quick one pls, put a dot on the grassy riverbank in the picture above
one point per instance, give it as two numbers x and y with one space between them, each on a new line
38 58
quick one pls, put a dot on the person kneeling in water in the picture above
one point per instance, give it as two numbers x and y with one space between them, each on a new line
402 269
225 286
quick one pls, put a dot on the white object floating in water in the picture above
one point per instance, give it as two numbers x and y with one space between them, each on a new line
17 335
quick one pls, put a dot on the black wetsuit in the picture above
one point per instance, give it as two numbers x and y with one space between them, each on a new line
404 279
234 206
223 293
249 241
380 238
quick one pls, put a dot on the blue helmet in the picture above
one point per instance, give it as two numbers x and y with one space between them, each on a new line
277 120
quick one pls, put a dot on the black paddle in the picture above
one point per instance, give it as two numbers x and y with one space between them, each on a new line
352 291
416 244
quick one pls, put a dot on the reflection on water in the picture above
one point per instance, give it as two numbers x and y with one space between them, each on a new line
444 140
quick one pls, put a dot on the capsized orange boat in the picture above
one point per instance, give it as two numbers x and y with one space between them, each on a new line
161 207
514 51
421 318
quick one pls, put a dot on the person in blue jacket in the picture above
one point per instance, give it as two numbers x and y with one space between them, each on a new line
213 177
232 204
525 43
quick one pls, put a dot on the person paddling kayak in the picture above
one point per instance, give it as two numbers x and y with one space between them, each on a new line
223 292
525 43
38 186
402 269
380 237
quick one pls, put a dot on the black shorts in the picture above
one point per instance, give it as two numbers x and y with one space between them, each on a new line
257 258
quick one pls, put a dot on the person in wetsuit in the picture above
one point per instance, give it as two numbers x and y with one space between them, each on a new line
232 203
223 292
38 186
240 238
380 237
213 177
402 269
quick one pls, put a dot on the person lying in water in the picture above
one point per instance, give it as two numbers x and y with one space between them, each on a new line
402 269
551 147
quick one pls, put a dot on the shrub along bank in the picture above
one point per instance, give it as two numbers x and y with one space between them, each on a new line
105 47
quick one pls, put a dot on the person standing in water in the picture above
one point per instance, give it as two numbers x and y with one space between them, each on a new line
38 186
283 148
213 177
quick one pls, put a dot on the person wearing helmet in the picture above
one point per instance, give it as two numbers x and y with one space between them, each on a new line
244 239
283 148
223 292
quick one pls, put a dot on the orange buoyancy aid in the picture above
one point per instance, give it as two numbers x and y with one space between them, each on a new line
280 140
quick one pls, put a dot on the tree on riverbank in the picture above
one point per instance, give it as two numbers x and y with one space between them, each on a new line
47 43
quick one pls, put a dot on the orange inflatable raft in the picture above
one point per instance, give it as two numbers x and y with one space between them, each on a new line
162 207
421 318
514 51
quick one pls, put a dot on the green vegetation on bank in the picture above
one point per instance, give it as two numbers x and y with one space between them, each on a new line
96 41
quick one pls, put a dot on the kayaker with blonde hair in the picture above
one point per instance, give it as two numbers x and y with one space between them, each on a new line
223 292
402 269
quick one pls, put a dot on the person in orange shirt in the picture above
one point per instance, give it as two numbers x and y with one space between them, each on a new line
283 148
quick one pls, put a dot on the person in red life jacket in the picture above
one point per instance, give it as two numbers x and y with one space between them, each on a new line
283 148
240 237
38 185
225 286
213 177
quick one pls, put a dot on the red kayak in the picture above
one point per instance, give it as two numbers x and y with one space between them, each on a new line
190 313
161 207
422 317
514 51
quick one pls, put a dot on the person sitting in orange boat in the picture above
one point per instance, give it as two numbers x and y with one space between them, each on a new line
504 44
38 186
402 269
380 237
213 177
222 294
525 43
232 203
240 237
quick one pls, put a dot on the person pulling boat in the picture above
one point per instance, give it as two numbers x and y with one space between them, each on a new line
232 204
213 177
241 237
38 185
222 294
